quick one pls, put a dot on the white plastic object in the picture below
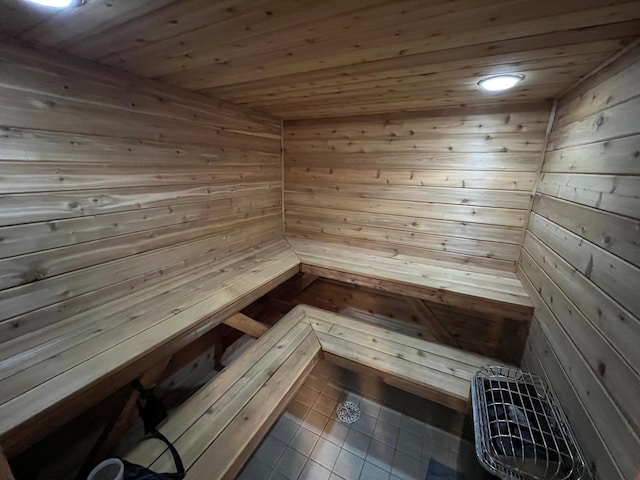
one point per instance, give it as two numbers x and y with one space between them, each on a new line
110 469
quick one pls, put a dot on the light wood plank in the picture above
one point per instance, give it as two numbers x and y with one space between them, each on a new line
502 251
613 320
455 211
616 156
235 444
36 145
617 121
182 418
36 236
416 194
526 162
18 177
407 224
478 333
37 266
129 210
612 274
247 325
584 380
428 318
612 193
467 361
410 271
396 173
264 375
52 320
613 90
614 233
431 178
39 207
616 372
364 56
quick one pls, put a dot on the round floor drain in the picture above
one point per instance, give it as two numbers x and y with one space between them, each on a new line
348 412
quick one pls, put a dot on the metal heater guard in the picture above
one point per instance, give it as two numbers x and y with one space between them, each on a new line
521 431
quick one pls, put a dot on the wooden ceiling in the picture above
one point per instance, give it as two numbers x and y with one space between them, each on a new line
312 58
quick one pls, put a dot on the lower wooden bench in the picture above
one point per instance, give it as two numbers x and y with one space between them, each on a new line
430 370
217 429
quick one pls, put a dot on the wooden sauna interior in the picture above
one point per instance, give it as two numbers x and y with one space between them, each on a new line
175 174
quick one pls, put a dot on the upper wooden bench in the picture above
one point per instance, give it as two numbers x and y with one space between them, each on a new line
218 428
50 375
492 292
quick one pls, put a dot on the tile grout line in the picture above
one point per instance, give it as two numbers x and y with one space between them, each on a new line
315 392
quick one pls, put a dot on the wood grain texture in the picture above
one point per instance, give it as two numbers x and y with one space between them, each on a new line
119 196
446 185
307 59
247 397
247 325
88 183
437 372
580 263
481 333
64 368
499 294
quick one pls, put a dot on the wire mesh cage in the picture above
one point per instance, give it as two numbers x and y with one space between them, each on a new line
521 432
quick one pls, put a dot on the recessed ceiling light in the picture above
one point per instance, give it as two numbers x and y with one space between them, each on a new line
53 3
498 83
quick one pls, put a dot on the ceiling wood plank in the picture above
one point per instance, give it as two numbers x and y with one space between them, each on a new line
305 59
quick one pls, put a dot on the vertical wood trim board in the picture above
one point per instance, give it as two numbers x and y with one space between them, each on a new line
109 182
552 116
446 185
282 171
581 265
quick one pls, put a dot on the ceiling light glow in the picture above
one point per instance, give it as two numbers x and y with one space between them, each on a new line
498 83
53 3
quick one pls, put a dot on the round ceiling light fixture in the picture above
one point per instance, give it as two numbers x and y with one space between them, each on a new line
498 83
54 3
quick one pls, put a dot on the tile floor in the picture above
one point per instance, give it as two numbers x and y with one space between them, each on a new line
308 442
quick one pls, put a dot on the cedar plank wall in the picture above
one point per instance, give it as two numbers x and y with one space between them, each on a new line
109 182
448 185
580 263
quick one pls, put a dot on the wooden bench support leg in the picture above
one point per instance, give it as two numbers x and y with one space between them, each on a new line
429 319
121 421
5 470
218 350
247 325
